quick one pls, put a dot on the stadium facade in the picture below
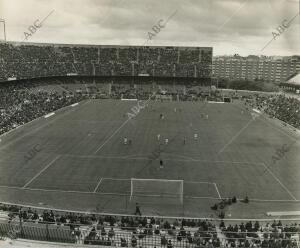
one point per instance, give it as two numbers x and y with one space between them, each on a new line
33 60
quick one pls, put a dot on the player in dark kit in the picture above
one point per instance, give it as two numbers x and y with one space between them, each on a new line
137 210
161 164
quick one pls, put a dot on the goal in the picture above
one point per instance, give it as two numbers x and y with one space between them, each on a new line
157 188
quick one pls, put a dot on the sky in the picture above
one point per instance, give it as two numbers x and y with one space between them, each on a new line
229 26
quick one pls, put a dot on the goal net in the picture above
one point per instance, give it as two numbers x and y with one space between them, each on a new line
157 188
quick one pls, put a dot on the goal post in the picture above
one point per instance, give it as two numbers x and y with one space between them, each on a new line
156 188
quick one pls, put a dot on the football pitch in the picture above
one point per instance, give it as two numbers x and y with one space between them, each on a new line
80 161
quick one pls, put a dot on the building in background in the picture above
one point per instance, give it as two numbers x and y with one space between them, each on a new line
272 69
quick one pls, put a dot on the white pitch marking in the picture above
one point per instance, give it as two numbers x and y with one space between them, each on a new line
198 182
146 158
58 190
217 191
64 191
112 135
118 179
95 190
74 191
191 159
282 185
39 173
126 194
202 197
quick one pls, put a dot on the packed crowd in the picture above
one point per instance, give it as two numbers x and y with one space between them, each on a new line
31 61
133 231
269 235
286 109
19 105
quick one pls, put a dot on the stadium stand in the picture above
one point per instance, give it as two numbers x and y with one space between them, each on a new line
286 109
22 61
131 231
23 102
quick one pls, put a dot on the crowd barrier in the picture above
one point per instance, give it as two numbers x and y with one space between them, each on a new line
35 231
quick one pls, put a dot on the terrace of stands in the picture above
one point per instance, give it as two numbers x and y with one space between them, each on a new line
39 60
131 231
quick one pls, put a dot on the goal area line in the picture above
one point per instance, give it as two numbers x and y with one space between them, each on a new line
160 187
160 180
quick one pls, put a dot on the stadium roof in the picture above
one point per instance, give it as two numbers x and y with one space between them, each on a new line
16 43
294 80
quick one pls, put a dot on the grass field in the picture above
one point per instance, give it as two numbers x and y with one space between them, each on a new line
82 163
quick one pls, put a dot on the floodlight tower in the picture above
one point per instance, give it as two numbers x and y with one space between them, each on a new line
3 21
